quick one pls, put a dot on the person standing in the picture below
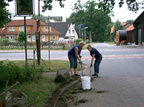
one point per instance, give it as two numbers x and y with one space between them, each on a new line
95 54
73 56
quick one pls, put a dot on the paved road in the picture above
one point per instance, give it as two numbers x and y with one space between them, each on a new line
108 51
121 79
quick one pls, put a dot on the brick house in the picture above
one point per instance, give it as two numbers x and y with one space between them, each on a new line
12 29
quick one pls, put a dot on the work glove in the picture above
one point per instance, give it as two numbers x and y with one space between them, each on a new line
80 56
91 65
80 61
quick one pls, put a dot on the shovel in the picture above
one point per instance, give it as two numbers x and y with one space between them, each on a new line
92 78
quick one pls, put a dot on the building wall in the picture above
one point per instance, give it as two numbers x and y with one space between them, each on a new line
139 26
30 37
131 36
71 33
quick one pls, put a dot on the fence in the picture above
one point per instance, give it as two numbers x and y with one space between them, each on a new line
21 46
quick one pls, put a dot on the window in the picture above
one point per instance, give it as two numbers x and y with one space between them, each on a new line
54 37
47 28
11 38
21 28
29 38
12 29
69 31
33 38
43 38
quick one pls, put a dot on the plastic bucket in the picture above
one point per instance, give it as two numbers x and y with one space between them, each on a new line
86 82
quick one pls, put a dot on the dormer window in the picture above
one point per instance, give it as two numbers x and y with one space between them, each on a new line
12 29
3 28
69 31
21 28
47 28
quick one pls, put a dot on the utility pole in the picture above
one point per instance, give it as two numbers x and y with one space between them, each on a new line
49 38
38 36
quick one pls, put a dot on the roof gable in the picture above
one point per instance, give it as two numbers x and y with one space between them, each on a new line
61 27
21 22
131 27
140 19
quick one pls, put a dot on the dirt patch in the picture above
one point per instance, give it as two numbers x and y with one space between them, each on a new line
65 95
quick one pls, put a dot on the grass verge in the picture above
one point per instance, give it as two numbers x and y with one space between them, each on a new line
39 90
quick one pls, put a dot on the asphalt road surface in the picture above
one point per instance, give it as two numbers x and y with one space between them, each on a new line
121 78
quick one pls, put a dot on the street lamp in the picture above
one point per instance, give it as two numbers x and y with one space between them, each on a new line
85 33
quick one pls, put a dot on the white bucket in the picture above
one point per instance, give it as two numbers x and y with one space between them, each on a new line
86 83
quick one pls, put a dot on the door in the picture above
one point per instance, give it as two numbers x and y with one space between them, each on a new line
139 36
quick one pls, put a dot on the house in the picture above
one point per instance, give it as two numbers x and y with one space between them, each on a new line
124 27
130 34
12 29
139 29
66 28
133 33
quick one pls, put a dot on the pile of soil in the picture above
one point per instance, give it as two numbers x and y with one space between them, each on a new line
65 95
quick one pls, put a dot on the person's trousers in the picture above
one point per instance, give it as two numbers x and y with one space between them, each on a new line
97 64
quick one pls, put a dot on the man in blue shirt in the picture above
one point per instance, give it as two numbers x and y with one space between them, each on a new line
98 58
73 56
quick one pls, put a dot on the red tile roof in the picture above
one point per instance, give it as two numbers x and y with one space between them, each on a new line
29 22
112 29
131 27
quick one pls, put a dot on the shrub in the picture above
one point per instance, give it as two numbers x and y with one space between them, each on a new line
11 72
21 36
78 40
5 40
87 41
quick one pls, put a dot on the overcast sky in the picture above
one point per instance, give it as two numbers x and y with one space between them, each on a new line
121 14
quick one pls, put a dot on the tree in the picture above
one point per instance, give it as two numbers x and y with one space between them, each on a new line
129 21
42 18
21 36
106 5
117 26
107 32
89 15
4 14
133 5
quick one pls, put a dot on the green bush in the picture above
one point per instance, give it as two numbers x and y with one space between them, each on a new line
21 36
87 41
12 73
78 40
5 40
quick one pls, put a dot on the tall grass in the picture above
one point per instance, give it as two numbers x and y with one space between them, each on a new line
10 72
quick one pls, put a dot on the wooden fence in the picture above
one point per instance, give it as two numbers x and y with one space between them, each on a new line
21 46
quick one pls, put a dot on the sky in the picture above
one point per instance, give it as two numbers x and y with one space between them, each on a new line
121 14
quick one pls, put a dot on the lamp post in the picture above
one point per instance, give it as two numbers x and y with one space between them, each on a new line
85 33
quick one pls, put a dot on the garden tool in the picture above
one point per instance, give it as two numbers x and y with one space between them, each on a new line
92 78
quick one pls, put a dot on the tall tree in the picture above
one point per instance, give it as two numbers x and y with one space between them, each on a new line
129 21
42 18
133 5
95 19
117 26
4 14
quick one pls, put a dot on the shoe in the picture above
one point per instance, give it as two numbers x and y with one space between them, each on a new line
73 76
76 75
95 75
